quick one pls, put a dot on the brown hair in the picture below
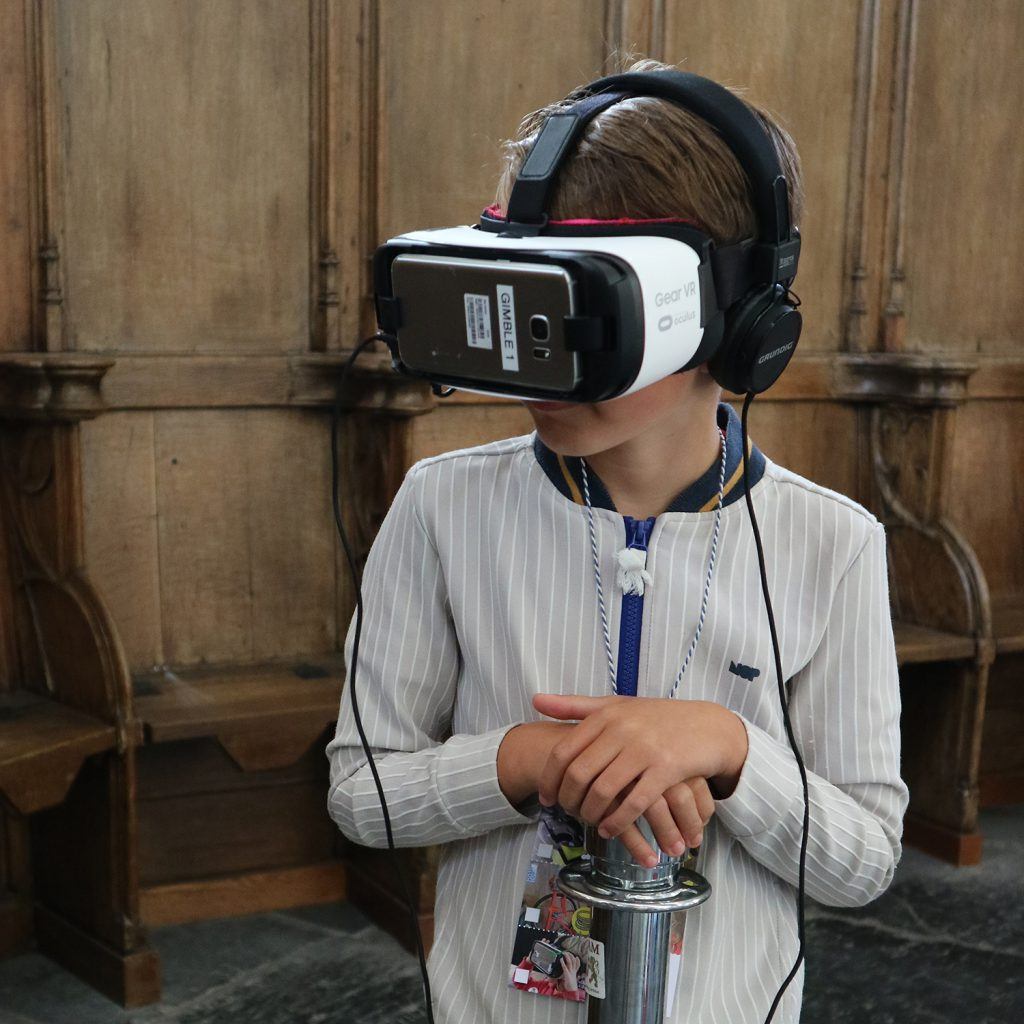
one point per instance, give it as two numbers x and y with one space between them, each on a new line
648 157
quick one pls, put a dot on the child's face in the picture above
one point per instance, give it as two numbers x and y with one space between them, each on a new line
585 428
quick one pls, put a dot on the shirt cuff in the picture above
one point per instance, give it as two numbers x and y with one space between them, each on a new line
768 788
467 782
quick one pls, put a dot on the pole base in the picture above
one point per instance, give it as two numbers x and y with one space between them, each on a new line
684 891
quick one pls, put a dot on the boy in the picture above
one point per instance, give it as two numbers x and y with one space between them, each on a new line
482 616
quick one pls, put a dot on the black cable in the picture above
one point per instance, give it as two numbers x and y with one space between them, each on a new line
784 700
353 568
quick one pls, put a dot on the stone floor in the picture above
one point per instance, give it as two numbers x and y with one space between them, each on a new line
942 946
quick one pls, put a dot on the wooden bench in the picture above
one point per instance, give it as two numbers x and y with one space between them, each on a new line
1002 752
67 730
67 738
228 751
42 746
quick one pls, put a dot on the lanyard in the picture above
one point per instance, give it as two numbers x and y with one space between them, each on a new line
707 579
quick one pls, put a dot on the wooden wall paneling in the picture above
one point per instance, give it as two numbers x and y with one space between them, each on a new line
820 100
47 323
964 163
633 26
202 520
988 475
809 438
17 129
120 526
186 131
347 99
449 93
250 893
871 177
205 853
201 835
462 426
244 535
291 531
323 158
892 284
374 453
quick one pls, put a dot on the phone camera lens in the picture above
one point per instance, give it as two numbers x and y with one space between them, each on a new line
540 330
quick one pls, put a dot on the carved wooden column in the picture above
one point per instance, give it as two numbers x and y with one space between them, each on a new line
939 595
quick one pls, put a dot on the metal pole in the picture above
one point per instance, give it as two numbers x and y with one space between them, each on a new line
632 908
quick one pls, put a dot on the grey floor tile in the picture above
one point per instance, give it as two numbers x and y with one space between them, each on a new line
942 946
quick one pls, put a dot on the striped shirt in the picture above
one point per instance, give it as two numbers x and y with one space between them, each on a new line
479 592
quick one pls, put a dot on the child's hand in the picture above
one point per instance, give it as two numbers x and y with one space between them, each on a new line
570 972
523 753
682 811
650 752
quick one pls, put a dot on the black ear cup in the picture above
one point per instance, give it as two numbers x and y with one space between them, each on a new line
761 332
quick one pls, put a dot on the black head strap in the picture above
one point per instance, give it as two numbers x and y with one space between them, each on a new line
528 203
776 252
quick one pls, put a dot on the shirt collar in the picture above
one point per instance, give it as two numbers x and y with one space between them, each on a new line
701 496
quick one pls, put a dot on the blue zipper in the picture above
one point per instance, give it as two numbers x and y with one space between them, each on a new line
638 534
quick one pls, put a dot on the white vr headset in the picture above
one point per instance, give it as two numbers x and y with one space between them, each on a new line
581 310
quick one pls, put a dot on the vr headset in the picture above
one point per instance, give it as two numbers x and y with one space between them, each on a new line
522 306
547 957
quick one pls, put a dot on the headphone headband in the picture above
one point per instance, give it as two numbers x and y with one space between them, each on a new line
778 245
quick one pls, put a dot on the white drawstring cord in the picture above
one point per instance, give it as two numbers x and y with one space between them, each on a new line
633 576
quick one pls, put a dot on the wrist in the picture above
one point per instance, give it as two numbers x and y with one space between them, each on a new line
734 755
521 756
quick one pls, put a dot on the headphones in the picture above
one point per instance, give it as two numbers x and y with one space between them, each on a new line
753 336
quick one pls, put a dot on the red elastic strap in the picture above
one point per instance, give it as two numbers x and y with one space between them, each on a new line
495 211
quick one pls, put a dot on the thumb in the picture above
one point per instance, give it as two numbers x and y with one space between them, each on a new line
568 706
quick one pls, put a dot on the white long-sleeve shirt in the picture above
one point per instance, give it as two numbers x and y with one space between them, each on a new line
479 592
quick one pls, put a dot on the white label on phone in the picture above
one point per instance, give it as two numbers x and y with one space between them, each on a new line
507 328
478 321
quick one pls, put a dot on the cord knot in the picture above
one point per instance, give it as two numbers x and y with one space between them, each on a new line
632 575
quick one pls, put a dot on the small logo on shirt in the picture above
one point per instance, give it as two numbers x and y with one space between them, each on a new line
744 671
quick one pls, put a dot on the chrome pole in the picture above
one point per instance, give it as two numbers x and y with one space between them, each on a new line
632 916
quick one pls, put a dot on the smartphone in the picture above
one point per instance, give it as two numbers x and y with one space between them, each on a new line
499 321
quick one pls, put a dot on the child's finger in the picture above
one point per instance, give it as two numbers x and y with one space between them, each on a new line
580 774
666 831
646 790
640 850
562 754
702 797
683 805
568 706
611 783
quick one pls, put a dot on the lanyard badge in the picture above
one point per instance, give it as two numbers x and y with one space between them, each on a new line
553 953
